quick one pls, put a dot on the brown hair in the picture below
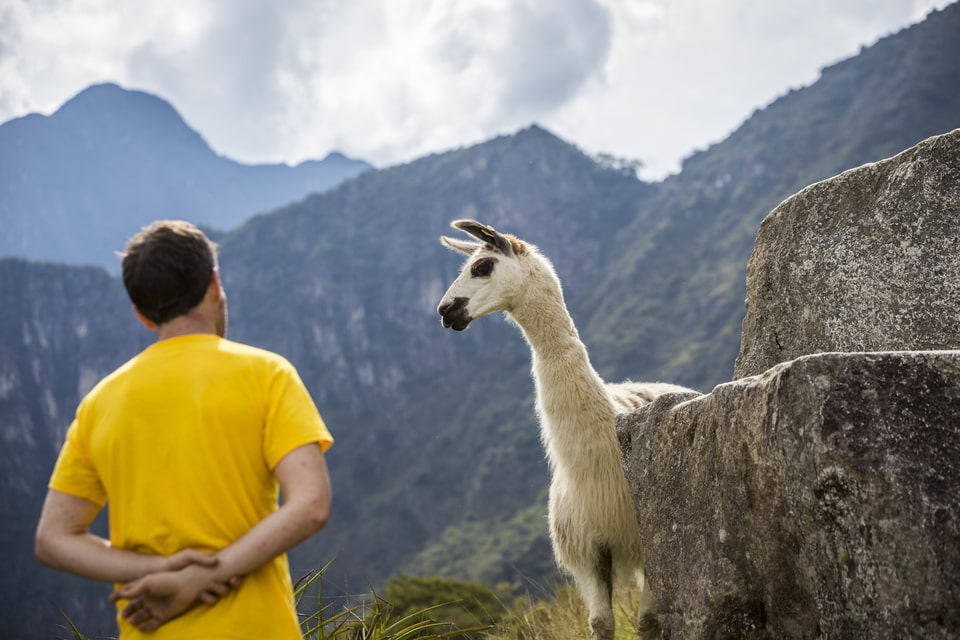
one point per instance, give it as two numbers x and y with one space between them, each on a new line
167 268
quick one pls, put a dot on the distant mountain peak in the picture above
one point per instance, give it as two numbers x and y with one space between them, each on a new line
104 88
110 111
533 135
111 96
112 159
536 132
533 128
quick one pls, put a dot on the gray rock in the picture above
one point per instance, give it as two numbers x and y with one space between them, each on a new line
818 496
818 500
866 261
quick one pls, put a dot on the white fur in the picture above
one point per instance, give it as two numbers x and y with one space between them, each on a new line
590 504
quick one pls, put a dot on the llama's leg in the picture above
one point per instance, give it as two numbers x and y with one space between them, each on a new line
648 623
596 587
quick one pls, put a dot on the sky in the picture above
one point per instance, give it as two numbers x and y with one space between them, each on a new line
389 81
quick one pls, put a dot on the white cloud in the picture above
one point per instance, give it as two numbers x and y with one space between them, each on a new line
390 81
425 76
684 73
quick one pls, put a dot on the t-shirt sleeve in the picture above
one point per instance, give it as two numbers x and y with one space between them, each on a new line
292 418
74 473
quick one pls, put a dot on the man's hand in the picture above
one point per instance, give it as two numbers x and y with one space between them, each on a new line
160 597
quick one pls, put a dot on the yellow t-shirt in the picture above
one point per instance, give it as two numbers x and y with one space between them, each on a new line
182 441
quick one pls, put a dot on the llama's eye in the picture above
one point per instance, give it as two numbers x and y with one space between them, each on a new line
482 268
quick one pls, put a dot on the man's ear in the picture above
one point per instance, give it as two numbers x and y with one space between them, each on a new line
149 324
215 286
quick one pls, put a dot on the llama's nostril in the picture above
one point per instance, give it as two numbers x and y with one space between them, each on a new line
453 306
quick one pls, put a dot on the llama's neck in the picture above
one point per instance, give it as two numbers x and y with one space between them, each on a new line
546 323
571 397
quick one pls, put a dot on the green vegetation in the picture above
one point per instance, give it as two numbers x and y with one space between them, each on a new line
72 627
561 615
493 550
464 605
435 608
415 612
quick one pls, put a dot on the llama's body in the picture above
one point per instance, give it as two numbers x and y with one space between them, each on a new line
593 525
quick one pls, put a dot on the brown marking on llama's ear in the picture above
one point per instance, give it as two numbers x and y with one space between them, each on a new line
519 247
485 233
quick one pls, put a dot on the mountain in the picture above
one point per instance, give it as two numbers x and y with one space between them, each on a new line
438 467
74 186
683 257
437 429
61 329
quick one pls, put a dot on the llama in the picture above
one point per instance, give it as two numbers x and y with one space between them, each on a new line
593 525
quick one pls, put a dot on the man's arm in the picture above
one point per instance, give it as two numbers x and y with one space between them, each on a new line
305 484
64 542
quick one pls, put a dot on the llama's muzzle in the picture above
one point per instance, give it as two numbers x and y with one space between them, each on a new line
453 314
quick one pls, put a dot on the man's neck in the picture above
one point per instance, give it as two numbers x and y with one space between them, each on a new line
185 325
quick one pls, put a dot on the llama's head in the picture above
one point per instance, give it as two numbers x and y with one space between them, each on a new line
490 278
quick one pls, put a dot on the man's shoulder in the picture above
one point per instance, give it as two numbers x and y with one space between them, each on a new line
248 351
117 374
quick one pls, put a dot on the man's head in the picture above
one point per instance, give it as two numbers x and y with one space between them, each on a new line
168 268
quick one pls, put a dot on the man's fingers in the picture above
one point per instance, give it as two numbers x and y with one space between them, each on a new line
134 607
213 593
187 557
150 624
216 590
128 591
139 617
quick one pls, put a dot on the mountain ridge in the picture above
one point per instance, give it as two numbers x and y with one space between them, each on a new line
716 203
76 184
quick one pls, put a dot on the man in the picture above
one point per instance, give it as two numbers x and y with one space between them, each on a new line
189 442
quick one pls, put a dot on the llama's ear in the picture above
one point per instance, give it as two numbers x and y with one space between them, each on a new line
460 245
485 233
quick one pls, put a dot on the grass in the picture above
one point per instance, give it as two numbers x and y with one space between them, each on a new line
561 615
557 613
72 627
